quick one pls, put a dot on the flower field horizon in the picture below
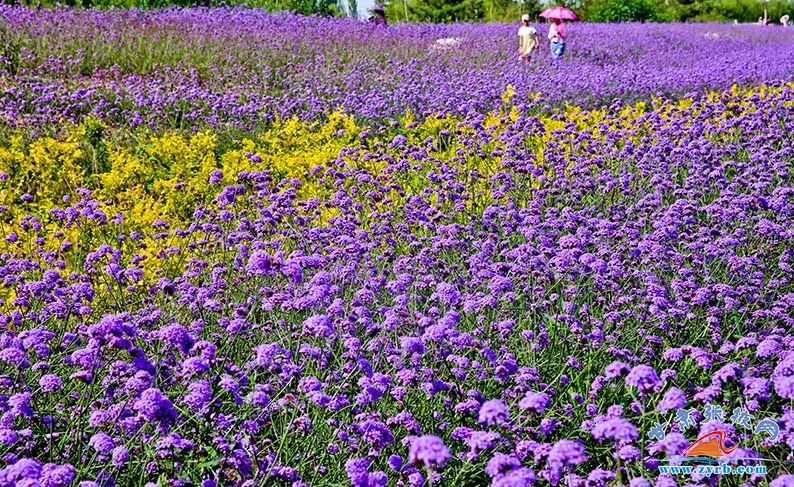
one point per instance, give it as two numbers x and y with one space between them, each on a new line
239 69
300 251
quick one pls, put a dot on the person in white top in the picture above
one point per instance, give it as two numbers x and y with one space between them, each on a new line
528 40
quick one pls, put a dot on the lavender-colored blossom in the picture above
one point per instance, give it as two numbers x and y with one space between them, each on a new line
358 471
500 464
19 404
493 412
120 455
517 477
644 378
536 402
8 437
783 377
50 383
616 369
395 462
25 468
616 429
674 398
215 177
101 442
673 444
152 405
482 440
57 475
567 453
784 480
260 263
430 451
447 294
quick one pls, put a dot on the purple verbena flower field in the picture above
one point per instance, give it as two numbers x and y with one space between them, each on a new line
242 249
241 68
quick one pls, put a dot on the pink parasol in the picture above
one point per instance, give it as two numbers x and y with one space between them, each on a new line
558 12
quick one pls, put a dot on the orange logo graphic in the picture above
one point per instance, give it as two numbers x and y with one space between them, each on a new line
709 445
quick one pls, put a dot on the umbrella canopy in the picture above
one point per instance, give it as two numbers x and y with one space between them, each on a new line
558 12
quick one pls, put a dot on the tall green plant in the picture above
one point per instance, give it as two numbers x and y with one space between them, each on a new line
621 10
396 10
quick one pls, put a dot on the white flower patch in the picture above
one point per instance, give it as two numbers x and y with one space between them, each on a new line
446 44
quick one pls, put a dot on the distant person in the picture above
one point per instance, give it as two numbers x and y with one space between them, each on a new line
380 16
784 20
528 40
557 35
760 21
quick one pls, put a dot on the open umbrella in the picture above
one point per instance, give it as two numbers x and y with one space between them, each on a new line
558 12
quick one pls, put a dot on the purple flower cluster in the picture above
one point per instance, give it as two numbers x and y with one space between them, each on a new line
429 451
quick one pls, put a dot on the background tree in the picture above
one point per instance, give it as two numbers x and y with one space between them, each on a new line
680 10
439 11
620 10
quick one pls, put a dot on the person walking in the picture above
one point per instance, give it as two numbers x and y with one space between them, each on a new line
557 35
528 40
